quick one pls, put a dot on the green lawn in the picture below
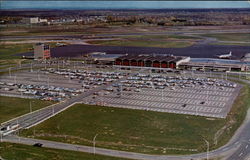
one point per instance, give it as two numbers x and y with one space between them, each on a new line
161 37
10 151
143 43
163 41
140 131
232 44
230 36
12 107
7 51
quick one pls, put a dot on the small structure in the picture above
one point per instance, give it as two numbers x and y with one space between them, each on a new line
30 20
41 51
103 58
246 58
157 61
212 66
34 20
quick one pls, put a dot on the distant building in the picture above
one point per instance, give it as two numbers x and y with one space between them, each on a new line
41 51
43 21
33 20
102 57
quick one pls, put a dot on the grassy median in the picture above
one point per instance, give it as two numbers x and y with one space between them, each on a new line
24 152
11 107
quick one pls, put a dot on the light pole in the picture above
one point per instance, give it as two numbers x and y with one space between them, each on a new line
10 72
48 81
53 110
20 64
94 143
30 107
1 137
31 67
161 94
207 143
15 79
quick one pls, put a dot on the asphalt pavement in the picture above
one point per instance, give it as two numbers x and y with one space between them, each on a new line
238 148
38 116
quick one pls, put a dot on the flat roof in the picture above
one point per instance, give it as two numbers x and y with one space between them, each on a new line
212 64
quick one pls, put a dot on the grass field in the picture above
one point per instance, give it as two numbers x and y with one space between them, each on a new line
7 51
142 43
24 152
245 37
141 131
162 37
163 41
12 107
232 44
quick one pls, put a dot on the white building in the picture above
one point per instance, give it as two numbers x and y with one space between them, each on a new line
34 20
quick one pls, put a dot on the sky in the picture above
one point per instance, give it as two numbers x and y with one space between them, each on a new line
5 4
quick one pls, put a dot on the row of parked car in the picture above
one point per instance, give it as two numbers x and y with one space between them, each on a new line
162 81
43 92
87 78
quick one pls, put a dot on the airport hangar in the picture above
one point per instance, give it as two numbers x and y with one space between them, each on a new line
157 61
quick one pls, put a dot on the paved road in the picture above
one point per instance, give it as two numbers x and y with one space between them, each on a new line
233 147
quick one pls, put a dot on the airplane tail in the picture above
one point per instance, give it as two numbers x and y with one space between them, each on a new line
230 53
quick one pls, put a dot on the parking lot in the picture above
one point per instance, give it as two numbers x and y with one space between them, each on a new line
53 84
181 95
161 92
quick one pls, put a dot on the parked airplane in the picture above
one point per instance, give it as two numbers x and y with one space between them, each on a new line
60 44
225 56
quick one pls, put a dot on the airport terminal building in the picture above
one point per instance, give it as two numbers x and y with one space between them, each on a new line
158 61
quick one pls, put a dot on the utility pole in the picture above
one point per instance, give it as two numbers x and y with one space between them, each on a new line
94 143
